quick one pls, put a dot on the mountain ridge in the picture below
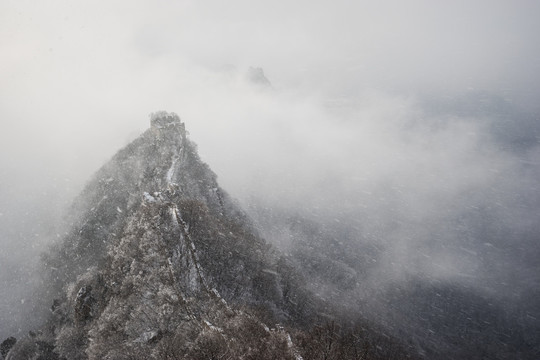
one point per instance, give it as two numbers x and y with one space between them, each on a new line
161 263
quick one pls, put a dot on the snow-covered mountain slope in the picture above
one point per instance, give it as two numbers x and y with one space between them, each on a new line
160 263
156 251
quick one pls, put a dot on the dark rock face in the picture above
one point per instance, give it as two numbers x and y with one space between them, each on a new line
83 304
6 346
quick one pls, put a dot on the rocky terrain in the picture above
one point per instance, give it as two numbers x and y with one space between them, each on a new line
160 263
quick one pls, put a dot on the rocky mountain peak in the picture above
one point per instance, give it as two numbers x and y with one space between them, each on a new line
160 263
163 119
256 76
169 127
157 251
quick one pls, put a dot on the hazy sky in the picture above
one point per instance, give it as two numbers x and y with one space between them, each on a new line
78 80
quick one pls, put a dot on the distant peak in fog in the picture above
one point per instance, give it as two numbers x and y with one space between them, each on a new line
256 76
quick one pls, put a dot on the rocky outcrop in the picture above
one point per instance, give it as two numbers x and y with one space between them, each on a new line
6 346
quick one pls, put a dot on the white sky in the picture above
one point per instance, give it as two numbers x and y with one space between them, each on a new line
77 74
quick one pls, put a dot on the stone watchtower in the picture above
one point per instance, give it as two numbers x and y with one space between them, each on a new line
163 123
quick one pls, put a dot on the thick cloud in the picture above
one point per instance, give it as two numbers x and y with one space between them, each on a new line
347 128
